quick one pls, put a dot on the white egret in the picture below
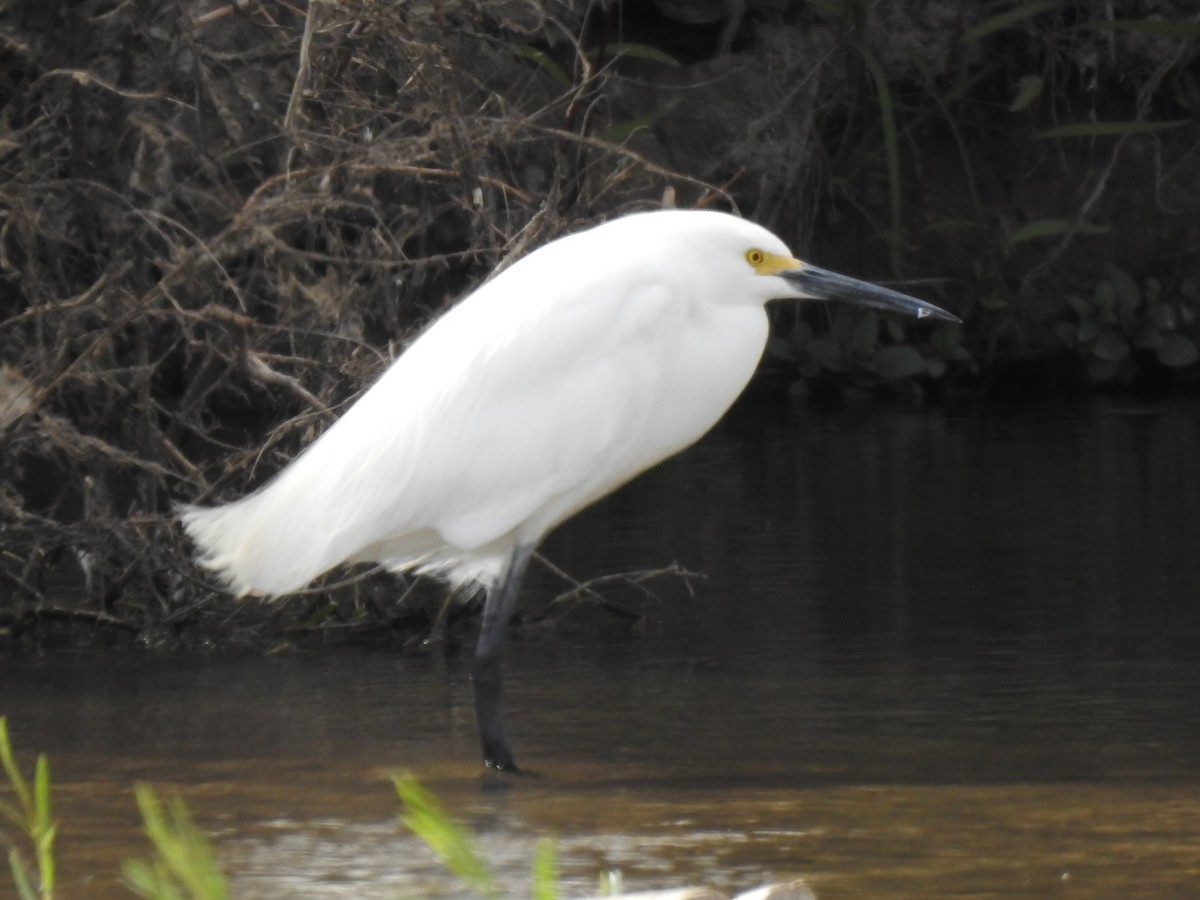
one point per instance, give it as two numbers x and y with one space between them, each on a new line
575 369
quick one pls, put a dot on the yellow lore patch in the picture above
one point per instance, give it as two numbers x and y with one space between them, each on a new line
765 263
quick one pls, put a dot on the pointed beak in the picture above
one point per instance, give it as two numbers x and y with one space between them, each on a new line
821 284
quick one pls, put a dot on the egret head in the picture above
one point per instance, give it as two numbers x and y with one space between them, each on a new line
738 248
804 280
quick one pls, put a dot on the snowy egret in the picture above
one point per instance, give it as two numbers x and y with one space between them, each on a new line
575 369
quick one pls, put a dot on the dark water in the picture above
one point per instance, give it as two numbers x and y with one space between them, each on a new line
934 655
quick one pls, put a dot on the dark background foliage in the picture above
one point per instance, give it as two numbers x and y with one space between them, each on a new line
220 222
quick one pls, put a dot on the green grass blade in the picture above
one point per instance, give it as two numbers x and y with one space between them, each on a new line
44 828
1005 19
545 871
1042 228
1178 351
897 362
1108 129
20 878
148 880
638 51
543 62
424 816
15 779
184 865
953 225
1145 26
41 793
13 814
1029 88
33 817
623 130
891 151
45 858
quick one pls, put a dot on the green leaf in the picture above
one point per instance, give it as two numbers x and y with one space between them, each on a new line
1105 297
843 319
954 225
1145 26
619 132
1108 129
836 9
1089 330
33 817
1163 317
147 881
1177 351
1080 305
1148 338
1005 19
865 336
891 149
610 883
1153 291
15 779
1043 228
1111 346
545 871
1129 297
1029 88
424 816
183 865
20 877
826 353
639 51
542 61
897 362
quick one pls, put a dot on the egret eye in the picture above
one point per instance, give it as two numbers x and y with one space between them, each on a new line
755 257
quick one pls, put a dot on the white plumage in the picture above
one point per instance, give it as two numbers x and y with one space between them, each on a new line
567 374
542 391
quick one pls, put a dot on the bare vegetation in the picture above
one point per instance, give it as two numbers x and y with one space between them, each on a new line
219 226
220 222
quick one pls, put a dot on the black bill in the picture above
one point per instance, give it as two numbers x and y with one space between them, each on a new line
821 284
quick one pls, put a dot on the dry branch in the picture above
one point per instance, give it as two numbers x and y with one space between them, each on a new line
208 239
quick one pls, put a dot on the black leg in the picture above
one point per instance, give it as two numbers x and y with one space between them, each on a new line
485 670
